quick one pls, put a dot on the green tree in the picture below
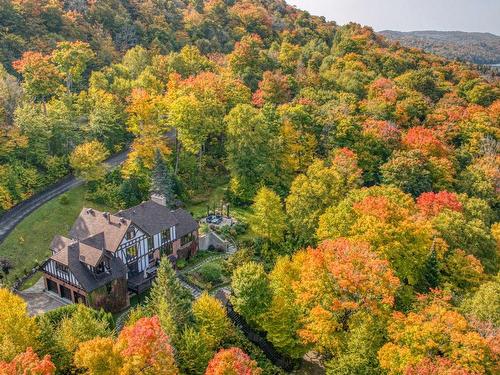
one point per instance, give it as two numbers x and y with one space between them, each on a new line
254 151
409 171
269 220
169 300
251 294
284 317
484 305
194 352
323 185
358 354
72 59
73 330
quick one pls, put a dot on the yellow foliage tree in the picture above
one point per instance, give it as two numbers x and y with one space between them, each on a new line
87 160
269 220
211 318
18 330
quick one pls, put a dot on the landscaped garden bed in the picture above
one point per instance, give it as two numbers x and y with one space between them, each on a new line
210 275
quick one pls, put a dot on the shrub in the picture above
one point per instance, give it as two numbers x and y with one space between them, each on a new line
211 272
181 264
64 200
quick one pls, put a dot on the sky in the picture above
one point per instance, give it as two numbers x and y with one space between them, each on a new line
410 15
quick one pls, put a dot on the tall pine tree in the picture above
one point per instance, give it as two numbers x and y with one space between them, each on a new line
169 300
163 182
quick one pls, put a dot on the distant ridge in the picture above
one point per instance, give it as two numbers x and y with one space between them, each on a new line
475 47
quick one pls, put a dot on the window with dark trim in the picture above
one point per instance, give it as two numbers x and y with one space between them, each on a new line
130 233
165 235
187 239
151 243
132 251
62 268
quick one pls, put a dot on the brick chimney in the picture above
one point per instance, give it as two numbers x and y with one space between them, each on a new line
159 198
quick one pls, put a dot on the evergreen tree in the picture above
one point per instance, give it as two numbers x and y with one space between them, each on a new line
169 300
163 182
431 271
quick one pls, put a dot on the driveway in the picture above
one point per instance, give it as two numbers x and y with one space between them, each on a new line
40 301
16 214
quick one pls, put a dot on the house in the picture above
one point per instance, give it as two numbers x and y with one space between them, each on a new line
107 256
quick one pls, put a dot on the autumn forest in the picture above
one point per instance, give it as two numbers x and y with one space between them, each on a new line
371 172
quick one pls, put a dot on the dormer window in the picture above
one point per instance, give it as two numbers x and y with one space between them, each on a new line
131 232
101 267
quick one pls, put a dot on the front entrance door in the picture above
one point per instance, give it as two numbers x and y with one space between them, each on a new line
133 268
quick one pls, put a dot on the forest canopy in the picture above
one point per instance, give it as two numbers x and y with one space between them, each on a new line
371 170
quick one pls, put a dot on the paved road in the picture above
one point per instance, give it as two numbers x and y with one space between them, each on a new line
15 215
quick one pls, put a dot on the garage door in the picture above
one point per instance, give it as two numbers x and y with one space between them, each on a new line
65 292
52 286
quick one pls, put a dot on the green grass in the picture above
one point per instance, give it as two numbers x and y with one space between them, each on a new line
198 207
213 196
29 242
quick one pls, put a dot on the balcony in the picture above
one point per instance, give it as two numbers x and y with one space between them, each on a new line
141 281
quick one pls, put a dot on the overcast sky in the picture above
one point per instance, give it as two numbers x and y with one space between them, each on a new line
410 15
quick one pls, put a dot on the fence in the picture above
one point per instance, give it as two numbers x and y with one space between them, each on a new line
278 359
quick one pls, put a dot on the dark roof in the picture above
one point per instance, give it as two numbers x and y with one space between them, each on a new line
91 222
71 256
150 217
187 223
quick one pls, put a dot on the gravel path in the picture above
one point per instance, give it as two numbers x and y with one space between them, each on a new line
15 215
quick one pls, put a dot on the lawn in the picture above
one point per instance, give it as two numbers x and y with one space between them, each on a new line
213 196
29 242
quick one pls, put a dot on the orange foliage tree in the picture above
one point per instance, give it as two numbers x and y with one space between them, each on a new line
142 348
28 363
338 279
233 361
436 339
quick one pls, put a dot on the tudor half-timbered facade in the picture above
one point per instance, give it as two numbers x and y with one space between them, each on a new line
106 256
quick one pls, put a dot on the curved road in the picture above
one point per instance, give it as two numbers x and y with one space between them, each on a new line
16 214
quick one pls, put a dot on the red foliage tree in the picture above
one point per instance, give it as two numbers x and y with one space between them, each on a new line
440 366
381 130
232 361
423 139
28 363
431 204
274 88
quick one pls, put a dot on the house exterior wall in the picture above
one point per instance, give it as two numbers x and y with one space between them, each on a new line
143 249
50 268
112 297
60 283
188 250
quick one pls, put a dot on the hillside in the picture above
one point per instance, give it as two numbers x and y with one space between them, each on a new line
364 174
477 48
